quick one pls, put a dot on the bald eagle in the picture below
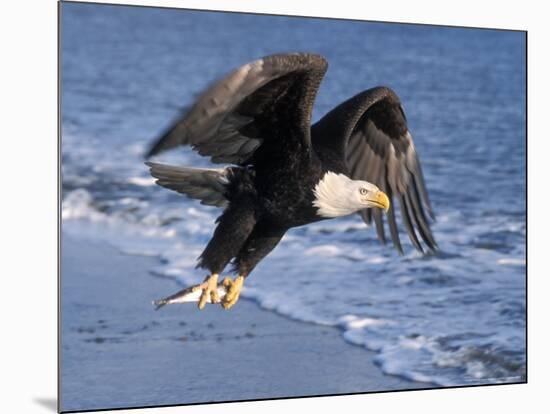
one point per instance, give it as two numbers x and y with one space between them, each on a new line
282 172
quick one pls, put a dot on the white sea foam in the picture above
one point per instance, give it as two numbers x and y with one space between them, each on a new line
81 217
349 322
142 181
78 204
511 262
325 250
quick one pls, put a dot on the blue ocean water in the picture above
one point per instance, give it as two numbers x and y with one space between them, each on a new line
455 318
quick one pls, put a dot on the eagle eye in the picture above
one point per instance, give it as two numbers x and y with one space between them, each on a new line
363 191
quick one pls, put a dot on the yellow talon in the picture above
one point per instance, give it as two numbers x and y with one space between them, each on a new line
209 290
233 291
214 297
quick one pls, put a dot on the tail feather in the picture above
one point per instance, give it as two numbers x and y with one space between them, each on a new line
206 184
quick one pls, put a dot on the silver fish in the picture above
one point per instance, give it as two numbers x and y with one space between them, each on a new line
189 294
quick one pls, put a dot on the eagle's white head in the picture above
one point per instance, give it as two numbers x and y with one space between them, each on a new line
338 195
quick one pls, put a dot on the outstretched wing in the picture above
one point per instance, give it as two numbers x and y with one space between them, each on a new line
249 108
373 138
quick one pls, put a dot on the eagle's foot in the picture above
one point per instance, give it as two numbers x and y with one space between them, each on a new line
209 290
233 291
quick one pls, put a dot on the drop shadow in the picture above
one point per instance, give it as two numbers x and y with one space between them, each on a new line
49 403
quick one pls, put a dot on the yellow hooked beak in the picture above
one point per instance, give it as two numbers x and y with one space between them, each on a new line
380 200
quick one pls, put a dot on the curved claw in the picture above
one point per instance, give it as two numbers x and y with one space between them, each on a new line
209 291
233 291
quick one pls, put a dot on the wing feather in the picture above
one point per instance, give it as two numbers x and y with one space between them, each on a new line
394 232
405 214
243 111
374 139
